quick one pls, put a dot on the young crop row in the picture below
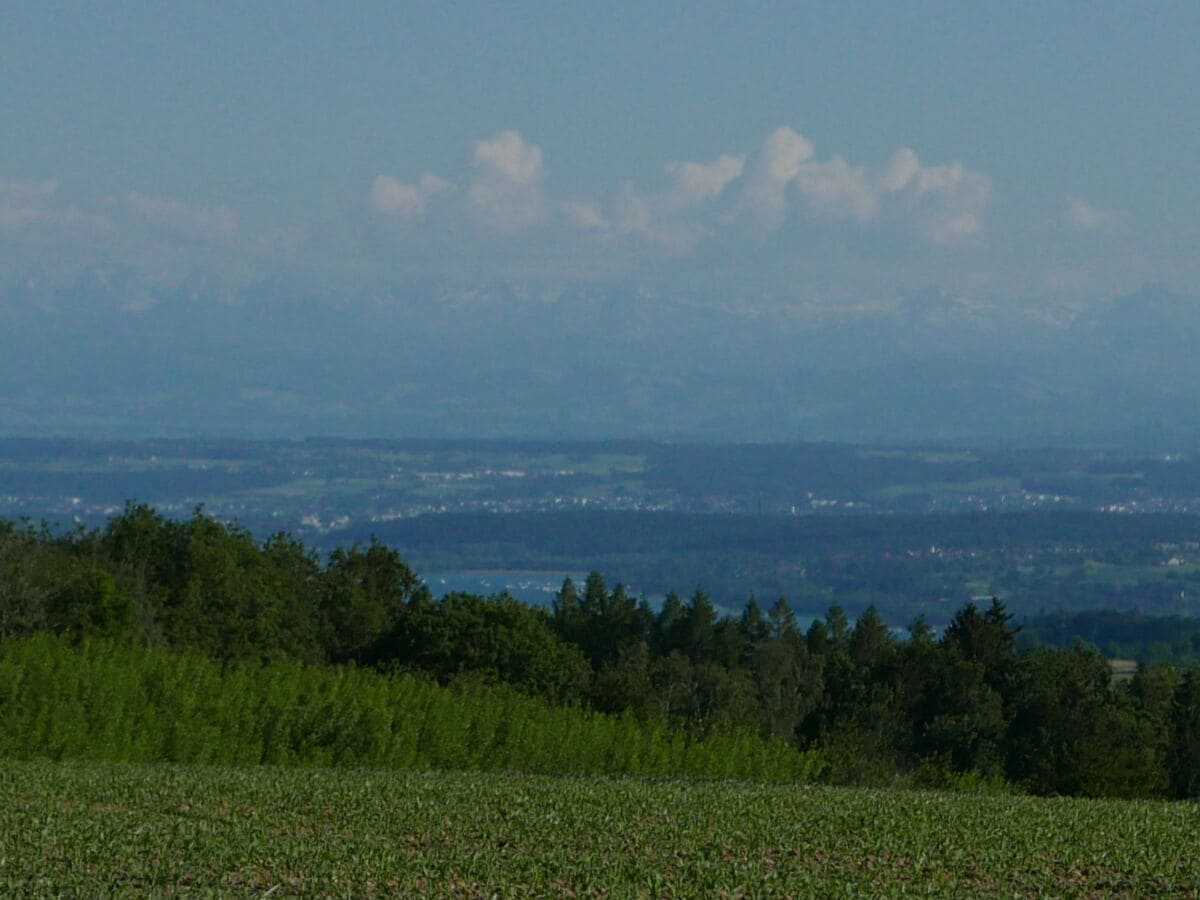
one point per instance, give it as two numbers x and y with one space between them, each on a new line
96 829
107 701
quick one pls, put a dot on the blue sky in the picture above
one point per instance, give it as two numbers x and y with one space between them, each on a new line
782 151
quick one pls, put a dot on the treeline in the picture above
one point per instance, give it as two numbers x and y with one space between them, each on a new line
1120 634
903 564
964 706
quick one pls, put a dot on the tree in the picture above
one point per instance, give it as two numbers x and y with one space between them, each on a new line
958 696
984 638
781 622
1184 758
496 639
365 592
595 595
89 604
753 624
669 624
566 604
25 581
789 684
1071 733
837 626
870 643
698 627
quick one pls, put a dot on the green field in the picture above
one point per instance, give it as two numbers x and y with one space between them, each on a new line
103 829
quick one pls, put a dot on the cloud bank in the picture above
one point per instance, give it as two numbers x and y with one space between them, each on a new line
203 222
35 206
1081 216
390 197
777 217
505 192
753 193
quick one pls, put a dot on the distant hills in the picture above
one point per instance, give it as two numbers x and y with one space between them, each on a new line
110 355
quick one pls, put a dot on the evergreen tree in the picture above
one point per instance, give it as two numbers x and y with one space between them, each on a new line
1183 764
753 624
698 628
781 622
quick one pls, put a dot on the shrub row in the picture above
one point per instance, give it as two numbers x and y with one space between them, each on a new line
102 700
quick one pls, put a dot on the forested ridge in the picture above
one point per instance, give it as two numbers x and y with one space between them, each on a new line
959 708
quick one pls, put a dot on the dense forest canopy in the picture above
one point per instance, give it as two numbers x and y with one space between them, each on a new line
962 704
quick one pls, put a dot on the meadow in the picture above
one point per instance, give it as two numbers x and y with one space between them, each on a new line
110 829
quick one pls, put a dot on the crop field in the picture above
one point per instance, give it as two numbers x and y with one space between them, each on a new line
103 829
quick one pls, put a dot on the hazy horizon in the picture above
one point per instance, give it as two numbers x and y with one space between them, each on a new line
703 221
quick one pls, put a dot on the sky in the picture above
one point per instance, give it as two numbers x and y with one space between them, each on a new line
767 153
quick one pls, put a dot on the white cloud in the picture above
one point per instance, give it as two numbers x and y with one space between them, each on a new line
205 222
32 204
390 197
900 170
1082 216
631 211
764 198
947 202
587 216
24 203
695 181
838 190
505 192
675 218
940 204
718 202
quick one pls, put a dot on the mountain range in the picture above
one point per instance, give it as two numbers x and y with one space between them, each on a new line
111 354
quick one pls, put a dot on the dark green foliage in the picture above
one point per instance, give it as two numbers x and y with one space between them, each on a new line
363 594
966 709
210 587
27 578
103 701
89 602
600 623
1125 634
1184 754
494 640
958 695
1073 732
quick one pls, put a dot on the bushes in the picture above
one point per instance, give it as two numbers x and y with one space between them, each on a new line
102 700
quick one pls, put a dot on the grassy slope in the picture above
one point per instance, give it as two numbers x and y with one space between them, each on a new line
103 828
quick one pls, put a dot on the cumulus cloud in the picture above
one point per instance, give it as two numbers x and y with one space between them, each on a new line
204 222
1082 216
900 170
945 202
941 204
700 200
777 163
695 181
631 212
390 197
838 190
587 216
505 192
32 204
674 218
